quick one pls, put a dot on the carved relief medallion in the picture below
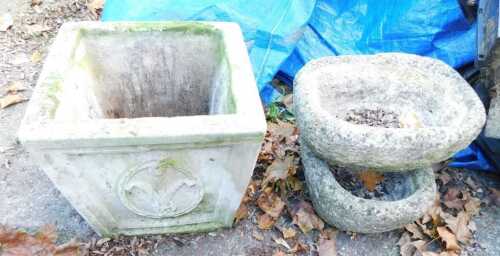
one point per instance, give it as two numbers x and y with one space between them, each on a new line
160 189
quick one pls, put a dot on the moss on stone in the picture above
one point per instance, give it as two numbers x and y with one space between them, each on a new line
194 28
52 91
166 163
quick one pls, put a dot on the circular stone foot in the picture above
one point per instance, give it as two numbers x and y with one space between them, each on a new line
340 208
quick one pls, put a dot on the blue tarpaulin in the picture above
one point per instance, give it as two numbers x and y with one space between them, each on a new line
432 28
282 35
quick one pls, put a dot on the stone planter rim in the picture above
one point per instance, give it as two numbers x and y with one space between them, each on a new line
38 128
316 109
445 139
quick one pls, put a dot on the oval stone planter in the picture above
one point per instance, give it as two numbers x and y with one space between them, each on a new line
448 113
340 208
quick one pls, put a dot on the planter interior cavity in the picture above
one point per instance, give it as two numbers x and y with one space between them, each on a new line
152 73
147 127
155 73
401 97
394 186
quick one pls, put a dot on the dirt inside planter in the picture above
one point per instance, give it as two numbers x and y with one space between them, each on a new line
394 186
373 117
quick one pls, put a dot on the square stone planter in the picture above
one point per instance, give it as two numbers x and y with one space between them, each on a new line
147 127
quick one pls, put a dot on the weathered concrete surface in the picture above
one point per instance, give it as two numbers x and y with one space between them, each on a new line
442 102
340 208
167 147
492 129
493 63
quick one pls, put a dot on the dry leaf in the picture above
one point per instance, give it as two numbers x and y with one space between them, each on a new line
11 99
327 247
370 179
294 183
15 243
47 234
459 226
427 228
305 217
407 247
36 57
15 87
36 2
448 238
279 150
445 178
329 233
282 242
299 247
102 241
252 189
6 22
410 120
281 129
472 206
241 213
258 236
279 170
288 233
271 204
444 218
416 232
95 6
434 213
264 221
452 200
37 29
